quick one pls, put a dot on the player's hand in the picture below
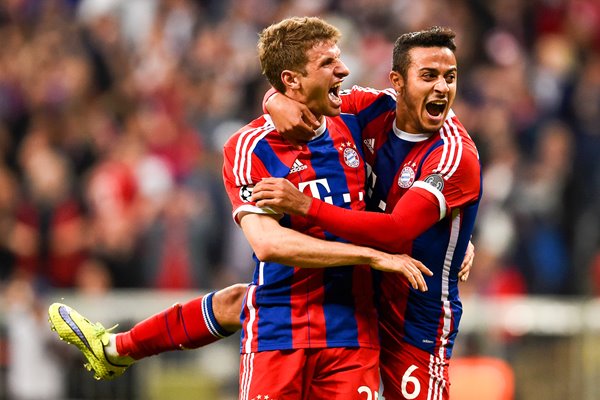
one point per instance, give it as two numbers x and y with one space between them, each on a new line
465 267
412 269
292 119
281 195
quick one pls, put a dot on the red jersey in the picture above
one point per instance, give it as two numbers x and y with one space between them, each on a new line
288 307
442 169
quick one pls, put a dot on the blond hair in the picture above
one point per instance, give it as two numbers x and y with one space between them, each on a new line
284 45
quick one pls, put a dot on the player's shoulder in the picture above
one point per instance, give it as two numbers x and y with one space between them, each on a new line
261 128
453 127
369 92
368 101
455 148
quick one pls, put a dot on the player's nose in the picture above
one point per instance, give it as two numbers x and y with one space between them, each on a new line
342 69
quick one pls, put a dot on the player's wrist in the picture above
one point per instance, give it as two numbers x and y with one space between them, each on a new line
269 95
306 205
375 257
314 205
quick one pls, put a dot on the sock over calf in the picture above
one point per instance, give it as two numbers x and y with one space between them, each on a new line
181 326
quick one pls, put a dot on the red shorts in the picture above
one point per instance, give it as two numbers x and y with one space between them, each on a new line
409 373
310 374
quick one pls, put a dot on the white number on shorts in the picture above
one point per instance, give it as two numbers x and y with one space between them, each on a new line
406 379
370 395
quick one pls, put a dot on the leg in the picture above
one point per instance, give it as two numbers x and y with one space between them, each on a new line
191 325
185 326
227 305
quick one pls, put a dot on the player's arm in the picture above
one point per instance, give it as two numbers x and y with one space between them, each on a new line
417 210
413 214
272 242
465 267
294 120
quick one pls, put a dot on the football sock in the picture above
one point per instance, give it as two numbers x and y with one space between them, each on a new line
179 327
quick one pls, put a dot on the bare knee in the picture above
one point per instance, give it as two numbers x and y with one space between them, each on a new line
227 306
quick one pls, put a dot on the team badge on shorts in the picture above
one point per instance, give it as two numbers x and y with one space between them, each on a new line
435 180
407 177
246 193
351 157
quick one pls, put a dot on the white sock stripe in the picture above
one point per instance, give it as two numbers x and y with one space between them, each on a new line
206 317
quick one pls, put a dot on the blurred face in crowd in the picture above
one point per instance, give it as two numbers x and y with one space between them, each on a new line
427 91
319 84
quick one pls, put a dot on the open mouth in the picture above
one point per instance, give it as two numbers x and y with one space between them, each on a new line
436 108
334 92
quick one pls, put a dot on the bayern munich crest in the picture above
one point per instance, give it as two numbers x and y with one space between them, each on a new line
407 177
351 157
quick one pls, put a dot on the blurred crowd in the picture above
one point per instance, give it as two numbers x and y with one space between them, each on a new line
113 114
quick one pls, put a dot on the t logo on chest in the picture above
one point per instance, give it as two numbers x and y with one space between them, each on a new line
318 186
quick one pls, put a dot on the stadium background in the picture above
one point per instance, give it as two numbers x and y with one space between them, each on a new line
112 117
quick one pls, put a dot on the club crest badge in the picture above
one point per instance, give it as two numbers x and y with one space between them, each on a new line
351 157
407 177
246 193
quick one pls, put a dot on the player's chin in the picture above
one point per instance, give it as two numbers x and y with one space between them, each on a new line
432 123
332 111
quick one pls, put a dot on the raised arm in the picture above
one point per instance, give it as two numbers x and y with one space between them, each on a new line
297 123
292 119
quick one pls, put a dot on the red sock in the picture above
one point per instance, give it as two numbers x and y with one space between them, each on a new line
179 327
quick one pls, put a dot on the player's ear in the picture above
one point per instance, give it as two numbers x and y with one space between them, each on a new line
290 79
397 81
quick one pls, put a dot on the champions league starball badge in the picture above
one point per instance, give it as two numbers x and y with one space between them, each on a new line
246 193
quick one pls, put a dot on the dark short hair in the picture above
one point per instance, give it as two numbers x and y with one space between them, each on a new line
435 36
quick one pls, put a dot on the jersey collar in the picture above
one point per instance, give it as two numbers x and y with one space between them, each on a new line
416 137
410 137
321 129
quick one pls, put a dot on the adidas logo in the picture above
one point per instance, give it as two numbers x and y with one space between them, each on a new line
297 167
370 144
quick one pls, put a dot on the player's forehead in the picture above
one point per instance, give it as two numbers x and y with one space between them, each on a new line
438 58
323 50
